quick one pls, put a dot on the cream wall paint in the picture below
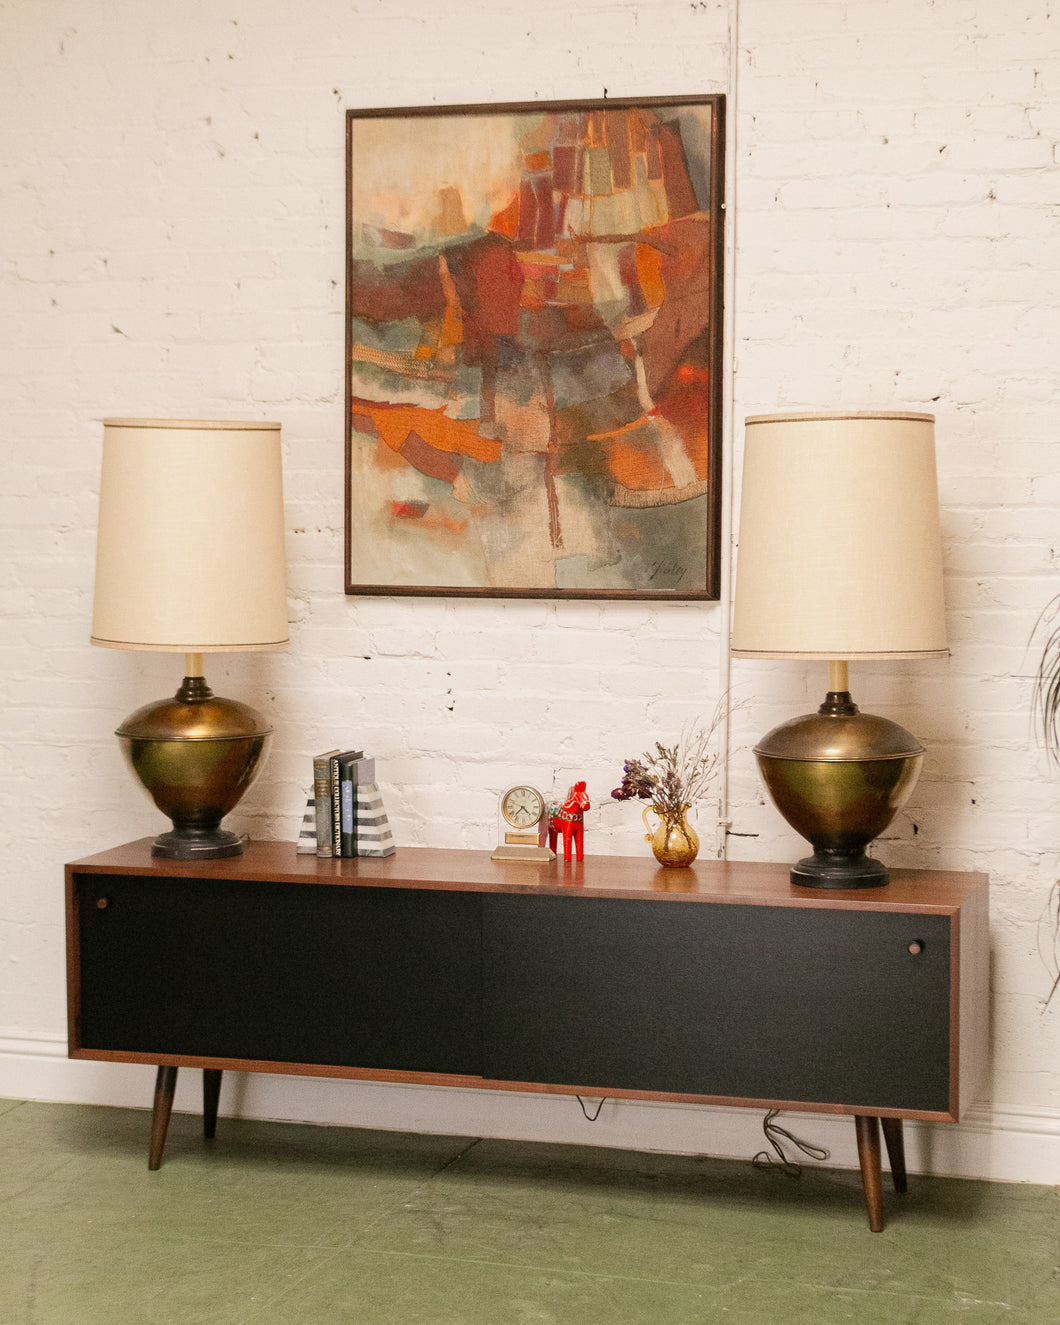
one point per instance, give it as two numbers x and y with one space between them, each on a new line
171 241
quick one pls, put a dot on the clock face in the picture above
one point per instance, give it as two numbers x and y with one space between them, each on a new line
522 807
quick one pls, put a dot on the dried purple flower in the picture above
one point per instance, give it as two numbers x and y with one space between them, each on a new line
674 776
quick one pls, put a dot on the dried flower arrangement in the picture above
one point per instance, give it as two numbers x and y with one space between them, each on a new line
1045 712
674 776
1045 696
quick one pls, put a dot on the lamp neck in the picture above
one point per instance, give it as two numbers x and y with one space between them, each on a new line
838 704
837 675
193 690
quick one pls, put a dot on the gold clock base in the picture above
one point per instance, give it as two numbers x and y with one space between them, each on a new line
531 855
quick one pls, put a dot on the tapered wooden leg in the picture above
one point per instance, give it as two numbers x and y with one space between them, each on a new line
892 1135
868 1130
211 1093
165 1085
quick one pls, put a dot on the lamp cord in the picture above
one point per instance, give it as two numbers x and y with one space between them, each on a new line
775 1135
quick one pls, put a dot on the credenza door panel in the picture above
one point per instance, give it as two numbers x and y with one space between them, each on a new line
385 978
732 1001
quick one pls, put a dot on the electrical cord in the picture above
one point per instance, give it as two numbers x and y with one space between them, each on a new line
592 1117
773 1134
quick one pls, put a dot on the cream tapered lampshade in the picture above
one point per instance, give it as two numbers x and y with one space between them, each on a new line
840 554
190 547
190 559
840 557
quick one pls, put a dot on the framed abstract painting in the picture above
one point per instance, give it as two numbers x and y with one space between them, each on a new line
533 349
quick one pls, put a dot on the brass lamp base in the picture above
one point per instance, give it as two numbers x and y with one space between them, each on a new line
197 844
839 776
196 754
840 869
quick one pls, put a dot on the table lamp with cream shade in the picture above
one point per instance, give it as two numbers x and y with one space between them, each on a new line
840 559
190 559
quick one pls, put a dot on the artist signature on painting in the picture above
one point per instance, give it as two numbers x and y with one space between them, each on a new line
667 569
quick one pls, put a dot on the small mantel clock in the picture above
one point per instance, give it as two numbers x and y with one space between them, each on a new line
522 825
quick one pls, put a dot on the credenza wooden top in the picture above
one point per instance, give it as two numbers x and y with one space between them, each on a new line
737 882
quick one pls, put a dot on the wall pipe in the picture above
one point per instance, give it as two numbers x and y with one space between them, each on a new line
728 433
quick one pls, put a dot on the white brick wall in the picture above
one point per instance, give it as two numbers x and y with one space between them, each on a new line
171 243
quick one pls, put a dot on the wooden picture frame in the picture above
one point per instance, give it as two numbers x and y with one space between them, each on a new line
534 349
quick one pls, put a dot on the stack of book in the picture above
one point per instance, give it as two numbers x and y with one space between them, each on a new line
348 818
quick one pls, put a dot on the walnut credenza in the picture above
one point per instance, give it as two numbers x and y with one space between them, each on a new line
718 984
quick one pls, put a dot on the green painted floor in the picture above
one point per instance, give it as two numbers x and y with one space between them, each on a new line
274 1223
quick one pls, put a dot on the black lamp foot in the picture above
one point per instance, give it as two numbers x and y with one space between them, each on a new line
197 844
840 869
